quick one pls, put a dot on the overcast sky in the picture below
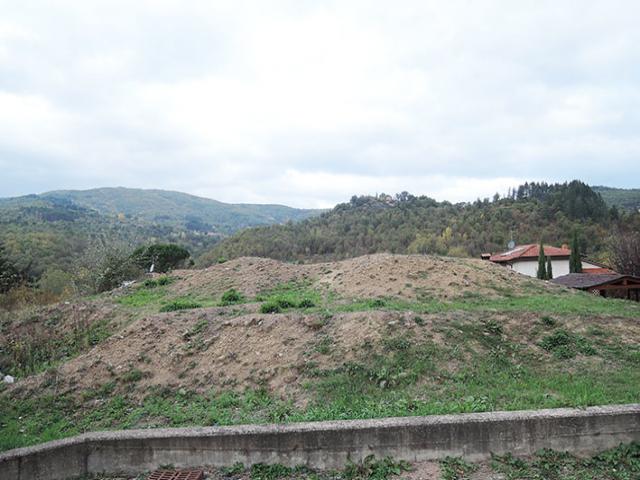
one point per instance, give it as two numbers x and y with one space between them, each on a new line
307 102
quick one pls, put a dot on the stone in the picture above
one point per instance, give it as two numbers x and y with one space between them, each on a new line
8 379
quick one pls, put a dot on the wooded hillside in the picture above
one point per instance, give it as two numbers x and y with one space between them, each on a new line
408 224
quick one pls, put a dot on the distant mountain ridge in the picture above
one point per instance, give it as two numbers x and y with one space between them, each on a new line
54 229
180 209
626 198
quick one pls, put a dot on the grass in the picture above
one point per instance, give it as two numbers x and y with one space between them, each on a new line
620 463
142 297
185 303
477 365
405 376
43 349
566 304
231 297
290 295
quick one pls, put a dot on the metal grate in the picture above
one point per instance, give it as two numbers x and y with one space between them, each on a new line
177 475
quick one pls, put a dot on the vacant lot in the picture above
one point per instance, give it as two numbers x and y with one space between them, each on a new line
255 340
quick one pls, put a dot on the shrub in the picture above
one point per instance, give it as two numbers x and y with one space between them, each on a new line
180 304
306 303
270 307
548 321
231 297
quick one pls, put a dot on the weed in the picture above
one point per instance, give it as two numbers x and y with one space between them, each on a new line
565 345
180 304
372 469
262 471
158 282
132 376
455 468
236 469
548 321
270 307
231 297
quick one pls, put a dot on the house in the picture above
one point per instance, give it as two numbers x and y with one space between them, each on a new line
524 259
607 285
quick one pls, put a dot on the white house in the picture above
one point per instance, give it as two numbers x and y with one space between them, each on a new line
524 259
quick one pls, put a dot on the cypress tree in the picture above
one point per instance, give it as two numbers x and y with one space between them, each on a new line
549 269
542 267
575 261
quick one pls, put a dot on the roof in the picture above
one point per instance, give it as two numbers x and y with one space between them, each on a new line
598 270
591 280
529 252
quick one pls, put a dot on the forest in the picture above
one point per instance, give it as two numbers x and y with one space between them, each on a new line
405 223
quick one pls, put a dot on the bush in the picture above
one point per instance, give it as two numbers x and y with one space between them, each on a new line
306 303
270 307
231 297
157 282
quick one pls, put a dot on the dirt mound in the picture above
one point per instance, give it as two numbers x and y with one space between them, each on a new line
370 276
237 347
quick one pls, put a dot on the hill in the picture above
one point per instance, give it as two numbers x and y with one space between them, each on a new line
53 231
408 224
257 340
623 198
188 212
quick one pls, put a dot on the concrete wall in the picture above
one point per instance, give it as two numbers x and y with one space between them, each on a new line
328 444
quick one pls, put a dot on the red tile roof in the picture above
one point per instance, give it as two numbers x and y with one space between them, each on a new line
528 252
598 270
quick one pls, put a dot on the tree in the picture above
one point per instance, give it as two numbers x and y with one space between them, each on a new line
549 269
542 264
575 260
163 257
9 275
625 253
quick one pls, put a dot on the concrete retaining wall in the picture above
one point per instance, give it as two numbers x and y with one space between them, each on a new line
328 444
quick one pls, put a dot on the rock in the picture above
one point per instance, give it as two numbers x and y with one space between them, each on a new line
8 379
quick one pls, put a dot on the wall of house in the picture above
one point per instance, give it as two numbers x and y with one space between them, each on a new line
530 267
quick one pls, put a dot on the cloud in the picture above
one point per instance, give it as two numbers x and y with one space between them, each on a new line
307 103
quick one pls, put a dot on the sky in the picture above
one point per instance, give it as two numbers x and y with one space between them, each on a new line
306 103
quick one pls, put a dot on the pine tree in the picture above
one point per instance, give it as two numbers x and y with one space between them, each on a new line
575 261
542 264
549 269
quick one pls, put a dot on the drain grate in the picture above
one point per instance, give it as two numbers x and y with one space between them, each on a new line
177 475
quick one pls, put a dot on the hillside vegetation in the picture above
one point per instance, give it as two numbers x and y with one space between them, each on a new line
409 224
257 340
52 238
628 199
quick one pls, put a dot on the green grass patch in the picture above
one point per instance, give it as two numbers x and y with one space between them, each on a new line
185 303
291 295
142 297
547 304
231 297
